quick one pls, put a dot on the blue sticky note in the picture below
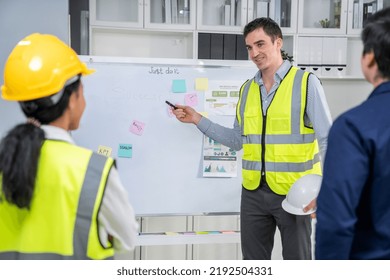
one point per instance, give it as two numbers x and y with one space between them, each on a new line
125 150
179 86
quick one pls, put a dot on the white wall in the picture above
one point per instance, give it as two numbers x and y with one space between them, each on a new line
343 94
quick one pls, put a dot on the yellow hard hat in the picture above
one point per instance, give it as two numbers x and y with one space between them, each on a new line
39 66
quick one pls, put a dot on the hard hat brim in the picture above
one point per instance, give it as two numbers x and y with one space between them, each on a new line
87 71
294 210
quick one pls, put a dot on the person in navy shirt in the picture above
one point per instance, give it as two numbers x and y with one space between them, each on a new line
353 214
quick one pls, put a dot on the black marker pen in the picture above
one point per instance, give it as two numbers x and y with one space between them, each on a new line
170 104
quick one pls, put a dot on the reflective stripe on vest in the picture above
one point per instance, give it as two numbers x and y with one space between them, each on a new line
278 143
85 232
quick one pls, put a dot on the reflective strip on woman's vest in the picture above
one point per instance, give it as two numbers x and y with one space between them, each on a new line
278 148
62 221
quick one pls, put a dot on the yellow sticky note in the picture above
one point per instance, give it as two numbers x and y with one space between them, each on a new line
105 151
202 84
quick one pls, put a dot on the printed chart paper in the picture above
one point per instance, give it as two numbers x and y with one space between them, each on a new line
221 98
218 160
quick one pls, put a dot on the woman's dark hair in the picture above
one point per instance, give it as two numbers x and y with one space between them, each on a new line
376 38
20 148
270 27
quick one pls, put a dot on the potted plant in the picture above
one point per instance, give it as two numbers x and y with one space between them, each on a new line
286 56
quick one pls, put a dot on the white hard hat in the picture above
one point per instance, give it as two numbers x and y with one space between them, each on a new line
301 193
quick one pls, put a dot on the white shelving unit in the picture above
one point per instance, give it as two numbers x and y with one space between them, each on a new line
143 14
135 27
142 28
116 13
284 12
221 15
171 28
152 245
359 10
187 238
169 14
326 17
231 15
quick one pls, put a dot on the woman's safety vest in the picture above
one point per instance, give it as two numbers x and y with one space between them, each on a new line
278 148
62 221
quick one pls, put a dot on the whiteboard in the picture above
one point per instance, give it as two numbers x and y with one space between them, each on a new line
164 176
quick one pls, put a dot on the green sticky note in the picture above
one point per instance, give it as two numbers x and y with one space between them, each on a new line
202 232
125 150
179 86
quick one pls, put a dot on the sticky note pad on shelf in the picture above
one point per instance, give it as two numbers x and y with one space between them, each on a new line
125 150
228 231
179 86
202 232
171 233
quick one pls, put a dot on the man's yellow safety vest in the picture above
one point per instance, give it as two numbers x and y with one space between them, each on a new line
278 148
62 220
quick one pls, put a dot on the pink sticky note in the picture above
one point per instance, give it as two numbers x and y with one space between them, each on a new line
191 99
137 127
